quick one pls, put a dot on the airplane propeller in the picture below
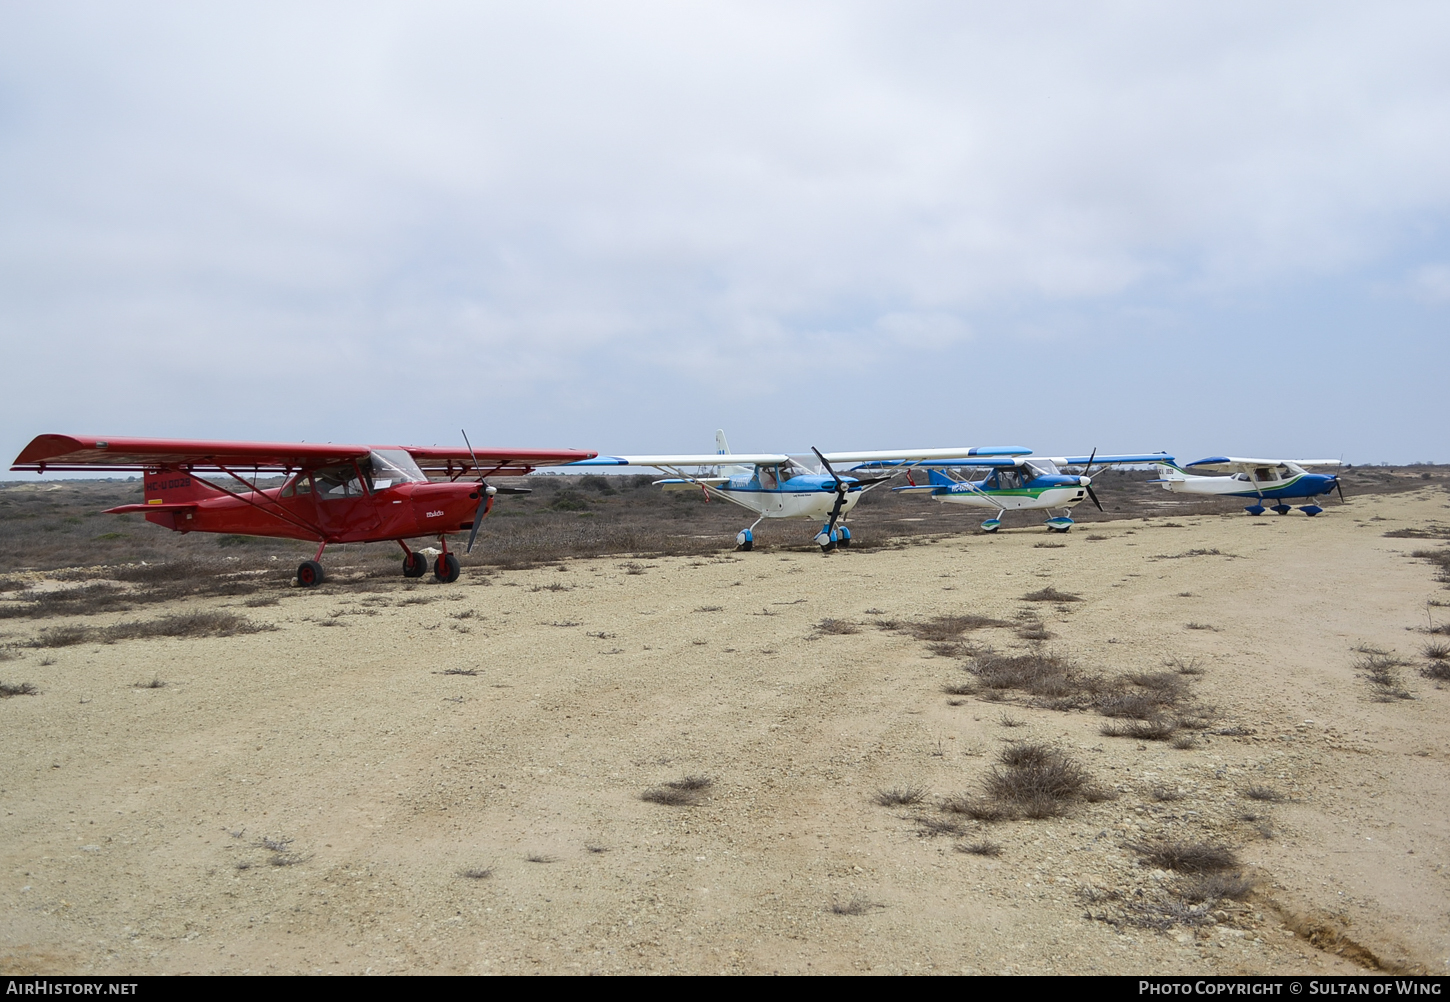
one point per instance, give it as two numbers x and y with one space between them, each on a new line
482 496
1087 475
485 491
842 489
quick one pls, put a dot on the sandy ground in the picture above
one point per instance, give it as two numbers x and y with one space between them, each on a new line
134 819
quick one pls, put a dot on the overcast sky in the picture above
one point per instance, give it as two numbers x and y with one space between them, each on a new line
1203 228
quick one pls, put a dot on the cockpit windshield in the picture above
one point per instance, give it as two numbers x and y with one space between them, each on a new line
1041 468
390 467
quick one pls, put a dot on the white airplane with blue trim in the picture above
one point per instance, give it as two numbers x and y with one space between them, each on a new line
777 485
1018 483
1263 480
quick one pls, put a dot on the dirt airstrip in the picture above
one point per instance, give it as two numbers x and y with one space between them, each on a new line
448 779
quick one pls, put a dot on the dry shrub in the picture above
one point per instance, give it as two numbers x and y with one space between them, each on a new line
1265 793
8 689
1156 729
980 809
979 848
477 873
214 623
1383 672
62 636
686 792
1213 887
1051 594
931 826
899 796
856 906
836 627
1039 673
1186 857
1037 780
945 628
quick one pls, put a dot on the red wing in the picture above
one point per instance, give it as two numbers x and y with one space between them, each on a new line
501 462
67 452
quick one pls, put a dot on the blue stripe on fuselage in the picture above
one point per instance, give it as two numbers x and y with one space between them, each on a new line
807 484
1307 486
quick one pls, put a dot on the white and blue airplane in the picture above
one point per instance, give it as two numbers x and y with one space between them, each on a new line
777 485
1018 483
1263 480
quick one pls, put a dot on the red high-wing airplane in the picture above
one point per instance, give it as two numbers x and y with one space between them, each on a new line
333 493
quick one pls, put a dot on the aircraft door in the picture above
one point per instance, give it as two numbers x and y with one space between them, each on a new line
344 504
770 498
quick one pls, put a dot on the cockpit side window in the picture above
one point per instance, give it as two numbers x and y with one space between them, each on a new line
300 484
769 477
335 483
1263 473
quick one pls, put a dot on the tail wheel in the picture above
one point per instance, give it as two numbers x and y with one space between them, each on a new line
445 568
414 565
309 573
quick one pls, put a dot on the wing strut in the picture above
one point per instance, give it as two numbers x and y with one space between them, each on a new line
280 515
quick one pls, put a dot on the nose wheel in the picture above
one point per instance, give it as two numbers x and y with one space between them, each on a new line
445 568
827 539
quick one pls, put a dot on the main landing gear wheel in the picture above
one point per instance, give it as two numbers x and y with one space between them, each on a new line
1282 509
844 537
745 540
415 565
309 573
827 540
445 568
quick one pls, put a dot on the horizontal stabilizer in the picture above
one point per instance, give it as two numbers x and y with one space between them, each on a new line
940 479
677 484
131 509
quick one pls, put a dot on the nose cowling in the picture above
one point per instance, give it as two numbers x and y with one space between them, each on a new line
1084 481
